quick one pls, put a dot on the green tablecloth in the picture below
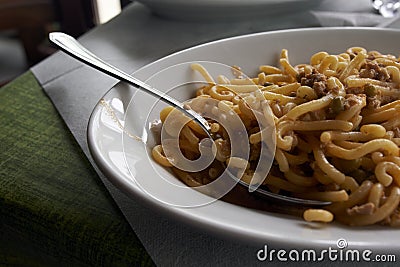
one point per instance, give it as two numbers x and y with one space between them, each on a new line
53 207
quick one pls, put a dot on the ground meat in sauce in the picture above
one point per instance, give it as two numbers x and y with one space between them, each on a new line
374 71
373 102
315 80
351 100
367 208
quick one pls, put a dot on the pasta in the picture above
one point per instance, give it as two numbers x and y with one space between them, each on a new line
337 133
317 215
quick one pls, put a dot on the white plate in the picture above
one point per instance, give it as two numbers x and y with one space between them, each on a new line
226 9
231 221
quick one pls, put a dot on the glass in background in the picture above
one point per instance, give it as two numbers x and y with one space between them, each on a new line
387 8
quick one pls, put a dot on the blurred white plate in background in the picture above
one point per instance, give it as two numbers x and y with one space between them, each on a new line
218 10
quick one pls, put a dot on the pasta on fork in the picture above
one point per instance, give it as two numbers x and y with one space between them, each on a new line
337 121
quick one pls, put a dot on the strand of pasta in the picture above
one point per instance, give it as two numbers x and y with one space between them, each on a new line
157 153
318 57
307 107
371 146
388 62
349 184
288 68
347 144
354 81
321 125
334 174
331 196
221 93
284 141
206 75
283 99
328 62
355 63
240 88
379 157
321 176
284 184
385 171
284 89
237 81
299 159
282 160
279 78
267 69
300 179
376 194
222 79
190 135
394 73
328 136
381 116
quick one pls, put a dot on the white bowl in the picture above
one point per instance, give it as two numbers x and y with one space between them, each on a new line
106 138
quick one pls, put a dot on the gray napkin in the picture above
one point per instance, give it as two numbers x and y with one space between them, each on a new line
136 38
